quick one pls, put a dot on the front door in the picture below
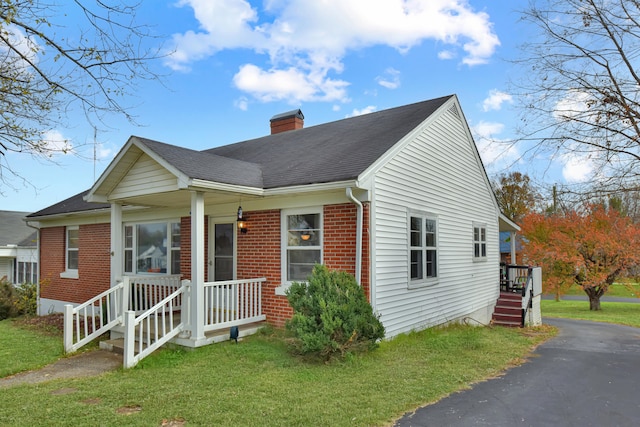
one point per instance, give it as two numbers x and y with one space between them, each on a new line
222 262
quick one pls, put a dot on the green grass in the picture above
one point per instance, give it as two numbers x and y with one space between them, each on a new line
22 349
258 383
624 290
612 312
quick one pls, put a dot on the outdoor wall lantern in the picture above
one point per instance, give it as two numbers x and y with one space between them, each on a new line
242 221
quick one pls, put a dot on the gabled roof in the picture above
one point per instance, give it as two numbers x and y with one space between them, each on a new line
14 231
327 153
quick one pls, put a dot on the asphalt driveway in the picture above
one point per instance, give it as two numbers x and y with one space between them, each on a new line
588 375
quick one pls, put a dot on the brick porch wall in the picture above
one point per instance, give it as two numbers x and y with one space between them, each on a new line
94 244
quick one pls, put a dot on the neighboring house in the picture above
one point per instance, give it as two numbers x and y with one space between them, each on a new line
510 247
399 198
18 249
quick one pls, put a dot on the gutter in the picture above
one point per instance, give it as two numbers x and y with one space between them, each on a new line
359 224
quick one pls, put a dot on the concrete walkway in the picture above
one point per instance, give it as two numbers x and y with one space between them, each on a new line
588 375
88 364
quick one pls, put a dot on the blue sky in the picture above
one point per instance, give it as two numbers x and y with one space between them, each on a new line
236 63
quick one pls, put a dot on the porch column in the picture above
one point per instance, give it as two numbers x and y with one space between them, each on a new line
117 255
512 240
197 266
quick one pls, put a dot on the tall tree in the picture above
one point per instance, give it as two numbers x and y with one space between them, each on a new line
578 91
47 68
516 194
590 248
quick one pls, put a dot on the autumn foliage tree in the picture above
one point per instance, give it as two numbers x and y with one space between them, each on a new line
591 248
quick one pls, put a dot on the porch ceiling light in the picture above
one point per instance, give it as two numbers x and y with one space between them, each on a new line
242 221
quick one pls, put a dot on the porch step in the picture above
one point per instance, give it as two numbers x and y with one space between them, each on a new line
508 310
116 345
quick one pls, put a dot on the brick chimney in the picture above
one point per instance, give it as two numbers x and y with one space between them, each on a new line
290 120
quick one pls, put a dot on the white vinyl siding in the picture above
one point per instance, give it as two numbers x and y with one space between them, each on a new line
145 176
436 172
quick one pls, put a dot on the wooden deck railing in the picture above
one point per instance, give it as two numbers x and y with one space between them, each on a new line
232 303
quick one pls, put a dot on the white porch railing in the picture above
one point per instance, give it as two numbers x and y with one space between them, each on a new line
147 291
92 318
232 303
155 327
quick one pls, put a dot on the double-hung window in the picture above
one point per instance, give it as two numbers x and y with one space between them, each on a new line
423 252
152 248
302 243
479 242
72 249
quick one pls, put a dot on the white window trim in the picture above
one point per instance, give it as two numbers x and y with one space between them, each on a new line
474 242
134 248
284 213
425 281
69 273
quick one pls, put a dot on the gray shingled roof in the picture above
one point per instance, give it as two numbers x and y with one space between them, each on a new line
207 166
330 152
14 231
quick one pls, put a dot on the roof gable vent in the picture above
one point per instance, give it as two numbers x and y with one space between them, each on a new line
291 120
454 110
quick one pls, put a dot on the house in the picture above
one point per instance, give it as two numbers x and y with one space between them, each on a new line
18 249
399 198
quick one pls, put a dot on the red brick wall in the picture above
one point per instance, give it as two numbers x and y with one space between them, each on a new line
259 252
94 243
259 256
185 247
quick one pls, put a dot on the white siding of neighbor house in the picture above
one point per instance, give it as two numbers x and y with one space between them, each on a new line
146 176
439 173
6 267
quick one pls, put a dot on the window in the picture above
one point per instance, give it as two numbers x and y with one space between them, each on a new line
302 243
27 272
72 248
152 248
423 257
479 242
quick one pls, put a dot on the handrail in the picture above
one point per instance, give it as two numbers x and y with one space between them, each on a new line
527 294
109 313
152 334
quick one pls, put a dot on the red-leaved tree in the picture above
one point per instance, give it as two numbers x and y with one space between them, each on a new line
591 248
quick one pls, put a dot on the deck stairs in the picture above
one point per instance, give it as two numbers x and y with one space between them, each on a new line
508 311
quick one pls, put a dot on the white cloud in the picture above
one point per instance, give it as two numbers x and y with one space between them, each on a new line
446 54
242 103
494 151
291 85
392 79
577 168
308 40
27 51
366 110
53 142
495 100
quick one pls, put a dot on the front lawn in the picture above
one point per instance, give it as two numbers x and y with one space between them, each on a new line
23 349
257 382
612 312
624 290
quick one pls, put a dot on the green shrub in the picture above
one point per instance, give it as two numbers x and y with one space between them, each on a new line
331 315
26 300
17 300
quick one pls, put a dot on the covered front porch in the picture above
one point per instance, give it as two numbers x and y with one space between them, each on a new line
147 312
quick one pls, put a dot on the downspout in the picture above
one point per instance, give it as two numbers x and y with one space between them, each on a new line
37 252
359 221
